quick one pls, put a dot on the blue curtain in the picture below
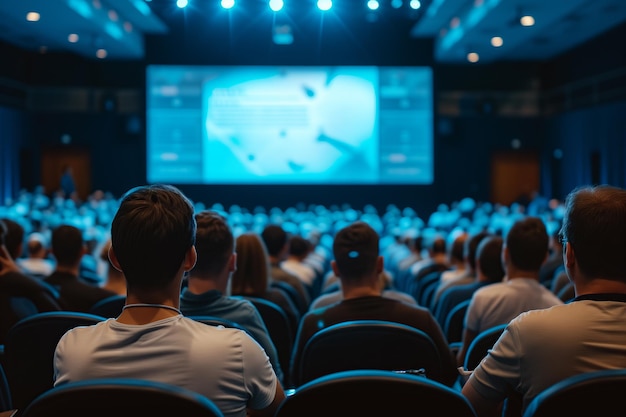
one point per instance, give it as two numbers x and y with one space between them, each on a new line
11 131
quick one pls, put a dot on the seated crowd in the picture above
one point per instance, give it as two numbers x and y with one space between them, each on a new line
175 261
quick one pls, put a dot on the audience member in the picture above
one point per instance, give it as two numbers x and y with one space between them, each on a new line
36 262
34 295
74 294
554 264
14 238
208 284
152 235
251 277
524 250
298 252
358 264
542 347
470 245
489 270
275 240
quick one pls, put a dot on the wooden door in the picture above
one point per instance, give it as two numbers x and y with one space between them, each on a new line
53 162
514 175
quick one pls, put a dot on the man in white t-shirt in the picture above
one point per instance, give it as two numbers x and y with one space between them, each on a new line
524 251
152 242
542 347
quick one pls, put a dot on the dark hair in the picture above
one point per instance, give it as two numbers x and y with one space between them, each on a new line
594 225
67 244
457 250
13 238
252 275
275 239
438 245
489 256
471 246
298 246
356 250
528 241
215 243
151 233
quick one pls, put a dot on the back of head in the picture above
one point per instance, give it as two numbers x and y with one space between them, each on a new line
594 225
298 246
14 237
275 239
527 242
489 256
252 272
356 250
457 249
438 246
151 233
36 245
471 246
67 245
215 243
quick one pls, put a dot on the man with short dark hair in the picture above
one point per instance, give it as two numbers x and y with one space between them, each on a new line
208 283
152 242
358 264
68 249
276 242
524 251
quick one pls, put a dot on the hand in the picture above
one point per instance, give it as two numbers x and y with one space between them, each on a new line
7 264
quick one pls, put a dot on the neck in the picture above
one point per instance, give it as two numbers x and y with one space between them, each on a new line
513 273
201 284
148 309
599 286
70 269
361 289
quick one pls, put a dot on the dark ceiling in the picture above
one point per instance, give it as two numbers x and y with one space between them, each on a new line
457 27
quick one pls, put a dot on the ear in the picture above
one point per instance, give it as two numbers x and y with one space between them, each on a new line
333 265
568 256
113 259
380 264
232 263
190 259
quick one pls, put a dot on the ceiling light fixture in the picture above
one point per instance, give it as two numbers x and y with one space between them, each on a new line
324 5
276 5
473 57
72 38
497 41
228 4
527 20
33 16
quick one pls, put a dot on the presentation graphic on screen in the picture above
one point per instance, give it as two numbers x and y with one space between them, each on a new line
289 125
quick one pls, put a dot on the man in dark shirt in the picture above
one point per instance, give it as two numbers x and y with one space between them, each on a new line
358 264
68 248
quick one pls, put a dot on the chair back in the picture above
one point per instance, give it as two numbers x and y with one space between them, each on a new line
480 346
109 307
5 392
374 393
278 327
597 393
121 398
292 293
454 324
29 352
367 344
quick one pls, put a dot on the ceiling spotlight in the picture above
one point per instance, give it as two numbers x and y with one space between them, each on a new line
497 41
396 4
473 57
276 5
182 3
228 4
72 38
32 16
527 20
101 53
415 4
373 4
324 5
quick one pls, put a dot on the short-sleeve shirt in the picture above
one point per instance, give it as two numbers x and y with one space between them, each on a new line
501 302
224 364
542 347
